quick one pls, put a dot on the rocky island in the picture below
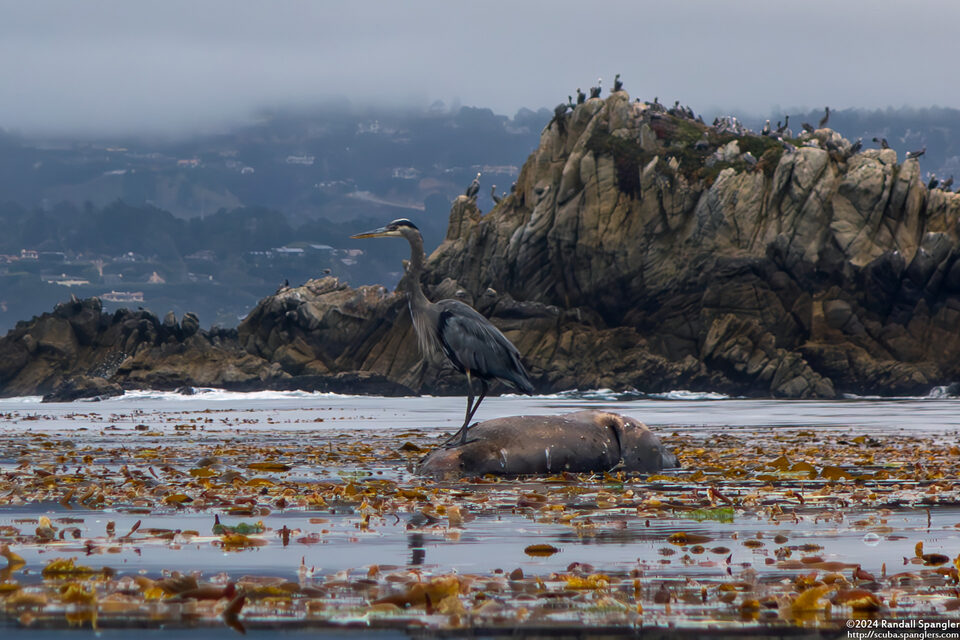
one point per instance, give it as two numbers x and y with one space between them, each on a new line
641 249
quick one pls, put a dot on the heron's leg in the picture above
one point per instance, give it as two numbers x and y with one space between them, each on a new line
483 394
469 413
470 408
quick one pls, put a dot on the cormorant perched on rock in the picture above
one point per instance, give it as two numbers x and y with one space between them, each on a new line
284 286
617 85
882 142
947 184
855 148
581 96
474 188
825 119
933 182
916 154
570 104
493 194
595 91
807 127
766 129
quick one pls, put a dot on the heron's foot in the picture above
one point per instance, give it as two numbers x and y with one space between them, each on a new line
453 440
463 437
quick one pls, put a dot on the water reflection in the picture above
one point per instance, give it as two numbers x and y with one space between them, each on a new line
417 551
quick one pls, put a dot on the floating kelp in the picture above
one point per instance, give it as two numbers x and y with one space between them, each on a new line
210 526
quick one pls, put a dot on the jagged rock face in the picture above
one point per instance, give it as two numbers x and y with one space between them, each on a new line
640 249
812 272
80 351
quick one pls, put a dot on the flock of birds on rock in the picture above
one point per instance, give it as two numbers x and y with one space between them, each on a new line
454 331
839 148
473 189
729 124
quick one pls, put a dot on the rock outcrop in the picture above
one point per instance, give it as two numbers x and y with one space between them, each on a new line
640 249
64 354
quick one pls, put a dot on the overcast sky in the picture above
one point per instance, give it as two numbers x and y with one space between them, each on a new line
122 65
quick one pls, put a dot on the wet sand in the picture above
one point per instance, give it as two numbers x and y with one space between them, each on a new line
324 525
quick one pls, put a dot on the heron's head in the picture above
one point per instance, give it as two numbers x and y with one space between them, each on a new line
399 228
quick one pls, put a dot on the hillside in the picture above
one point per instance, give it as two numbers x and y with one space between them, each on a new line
642 249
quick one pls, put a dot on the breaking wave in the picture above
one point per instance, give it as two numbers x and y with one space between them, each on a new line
610 395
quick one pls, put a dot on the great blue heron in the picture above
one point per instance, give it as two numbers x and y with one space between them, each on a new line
449 327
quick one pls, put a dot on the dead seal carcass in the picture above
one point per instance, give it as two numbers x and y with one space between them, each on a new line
584 441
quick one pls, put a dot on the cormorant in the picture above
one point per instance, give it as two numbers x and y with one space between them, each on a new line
766 129
916 154
825 119
581 96
595 91
493 194
947 184
933 182
855 148
617 85
807 127
882 142
474 188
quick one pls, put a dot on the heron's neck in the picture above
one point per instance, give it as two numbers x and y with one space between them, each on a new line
414 270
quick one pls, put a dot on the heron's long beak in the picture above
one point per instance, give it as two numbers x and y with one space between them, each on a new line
375 233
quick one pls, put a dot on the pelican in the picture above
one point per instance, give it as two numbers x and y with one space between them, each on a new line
474 188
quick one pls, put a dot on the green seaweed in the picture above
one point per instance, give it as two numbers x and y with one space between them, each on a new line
681 137
718 514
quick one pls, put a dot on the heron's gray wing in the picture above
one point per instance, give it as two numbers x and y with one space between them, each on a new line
472 342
